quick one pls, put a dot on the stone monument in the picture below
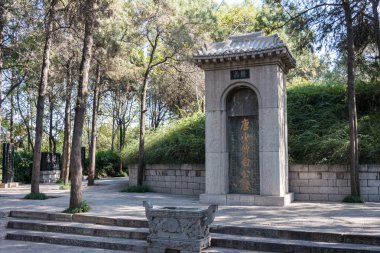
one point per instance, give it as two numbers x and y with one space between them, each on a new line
180 229
8 159
246 120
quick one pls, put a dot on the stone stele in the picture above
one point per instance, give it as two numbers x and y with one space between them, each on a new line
178 228
246 120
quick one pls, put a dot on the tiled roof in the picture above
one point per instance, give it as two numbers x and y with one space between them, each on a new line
246 45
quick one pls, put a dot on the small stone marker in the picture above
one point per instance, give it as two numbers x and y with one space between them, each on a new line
182 229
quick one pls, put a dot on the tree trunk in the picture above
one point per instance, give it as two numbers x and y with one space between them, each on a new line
80 109
95 105
376 25
26 123
11 121
121 145
141 162
354 151
67 129
35 187
2 24
51 110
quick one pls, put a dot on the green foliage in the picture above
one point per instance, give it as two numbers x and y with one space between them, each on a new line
138 189
23 163
107 163
59 181
65 187
182 141
36 196
352 199
318 123
84 208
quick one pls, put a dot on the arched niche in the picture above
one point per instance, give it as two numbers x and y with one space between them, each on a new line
243 141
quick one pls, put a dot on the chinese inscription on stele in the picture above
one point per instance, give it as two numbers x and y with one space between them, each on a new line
245 150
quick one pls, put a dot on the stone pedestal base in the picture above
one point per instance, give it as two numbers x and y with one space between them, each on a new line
9 185
246 199
49 176
189 246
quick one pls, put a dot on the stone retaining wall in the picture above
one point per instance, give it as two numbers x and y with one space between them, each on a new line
332 182
307 182
185 179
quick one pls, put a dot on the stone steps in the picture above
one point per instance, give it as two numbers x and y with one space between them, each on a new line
130 235
287 246
80 229
297 234
78 240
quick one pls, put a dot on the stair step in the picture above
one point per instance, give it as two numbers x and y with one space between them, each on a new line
285 245
79 240
227 250
80 229
297 234
82 218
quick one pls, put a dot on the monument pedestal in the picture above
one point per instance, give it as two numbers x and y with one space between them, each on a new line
9 185
246 199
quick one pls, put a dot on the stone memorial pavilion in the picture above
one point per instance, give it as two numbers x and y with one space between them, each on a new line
246 120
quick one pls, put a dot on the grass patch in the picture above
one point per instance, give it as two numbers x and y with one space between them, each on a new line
84 208
36 196
137 188
352 199
65 186
59 181
182 141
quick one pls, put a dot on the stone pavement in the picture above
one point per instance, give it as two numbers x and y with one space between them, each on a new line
106 199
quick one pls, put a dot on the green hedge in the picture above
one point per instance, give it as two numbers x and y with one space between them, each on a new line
317 122
182 141
23 164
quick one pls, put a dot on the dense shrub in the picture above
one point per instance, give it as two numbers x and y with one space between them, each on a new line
107 164
182 141
23 164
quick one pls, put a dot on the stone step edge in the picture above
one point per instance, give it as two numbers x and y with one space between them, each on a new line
284 245
220 229
82 218
78 240
78 229
297 234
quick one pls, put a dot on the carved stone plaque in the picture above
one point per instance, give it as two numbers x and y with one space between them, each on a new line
243 142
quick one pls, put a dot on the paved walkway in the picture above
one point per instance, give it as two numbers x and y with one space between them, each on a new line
106 199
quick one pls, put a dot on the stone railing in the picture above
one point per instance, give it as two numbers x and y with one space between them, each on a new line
185 179
332 182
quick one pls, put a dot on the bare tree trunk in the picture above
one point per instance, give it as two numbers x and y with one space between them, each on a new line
35 187
80 109
141 163
2 24
113 129
67 129
95 105
11 121
376 25
121 145
354 151
51 140
26 123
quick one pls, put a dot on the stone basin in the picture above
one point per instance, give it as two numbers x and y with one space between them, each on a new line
185 229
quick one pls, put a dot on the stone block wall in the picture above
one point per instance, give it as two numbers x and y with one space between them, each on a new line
184 179
332 182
